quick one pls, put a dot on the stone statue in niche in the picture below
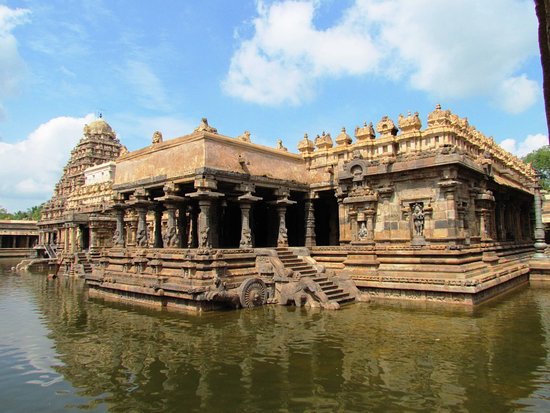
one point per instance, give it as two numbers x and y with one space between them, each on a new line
418 219
363 231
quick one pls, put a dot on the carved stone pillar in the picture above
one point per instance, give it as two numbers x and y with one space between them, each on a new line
192 237
310 240
74 239
171 237
282 237
205 240
66 238
175 231
205 194
140 202
132 232
119 236
246 201
369 214
281 207
157 242
142 236
540 245
93 236
449 186
485 203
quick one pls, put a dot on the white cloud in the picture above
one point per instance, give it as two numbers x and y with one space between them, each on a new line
29 169
527 145
447 48
516 94
12 66
145 84
287 54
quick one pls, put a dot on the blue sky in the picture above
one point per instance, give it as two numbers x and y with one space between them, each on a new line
276 68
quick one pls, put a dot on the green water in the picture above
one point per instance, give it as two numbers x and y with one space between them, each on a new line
60 351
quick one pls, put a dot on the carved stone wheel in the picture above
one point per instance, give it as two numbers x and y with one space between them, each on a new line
253 293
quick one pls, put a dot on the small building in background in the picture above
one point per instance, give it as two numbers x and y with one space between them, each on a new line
17 238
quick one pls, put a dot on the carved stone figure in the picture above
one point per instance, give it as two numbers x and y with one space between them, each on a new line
280 145
141 237
204 236
363 231
245 137
170 237
157 138
418 220
205 127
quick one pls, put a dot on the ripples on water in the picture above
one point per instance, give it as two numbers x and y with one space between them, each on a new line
60 351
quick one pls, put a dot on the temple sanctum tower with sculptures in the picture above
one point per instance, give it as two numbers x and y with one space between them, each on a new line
202 221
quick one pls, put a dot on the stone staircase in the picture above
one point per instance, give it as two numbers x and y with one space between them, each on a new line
81 266
330 289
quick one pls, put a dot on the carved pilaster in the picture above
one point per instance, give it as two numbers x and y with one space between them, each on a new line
246 202
281 205
158 242
142 236
205 195
310 223
540 245
170 237
119 236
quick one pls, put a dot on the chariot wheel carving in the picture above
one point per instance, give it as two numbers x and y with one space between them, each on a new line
253 293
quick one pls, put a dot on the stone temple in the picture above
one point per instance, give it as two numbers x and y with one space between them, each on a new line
202 221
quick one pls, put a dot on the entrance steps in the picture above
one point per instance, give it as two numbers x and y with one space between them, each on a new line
327 292
77 265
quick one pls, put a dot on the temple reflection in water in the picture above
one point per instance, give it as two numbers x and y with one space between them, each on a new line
364 358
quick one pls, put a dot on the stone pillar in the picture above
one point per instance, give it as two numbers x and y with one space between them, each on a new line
192 239
246 201
183 228
281 205
119 236
369 214
310 240
93 237
74 236
449 187
540 245
205 195
66 238
132 233
171 238
157 242
282 237
344 228
142 237
205 240
246 232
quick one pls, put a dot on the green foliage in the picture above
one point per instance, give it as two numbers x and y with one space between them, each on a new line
540 159
32 214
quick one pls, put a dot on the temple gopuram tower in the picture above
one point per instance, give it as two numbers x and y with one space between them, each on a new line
66 218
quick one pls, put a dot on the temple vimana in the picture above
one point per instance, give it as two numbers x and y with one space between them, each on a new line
205 221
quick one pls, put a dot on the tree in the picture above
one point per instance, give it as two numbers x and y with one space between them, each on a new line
540 159
32 214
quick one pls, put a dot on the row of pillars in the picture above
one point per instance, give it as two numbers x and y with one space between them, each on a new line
17 241
206 230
